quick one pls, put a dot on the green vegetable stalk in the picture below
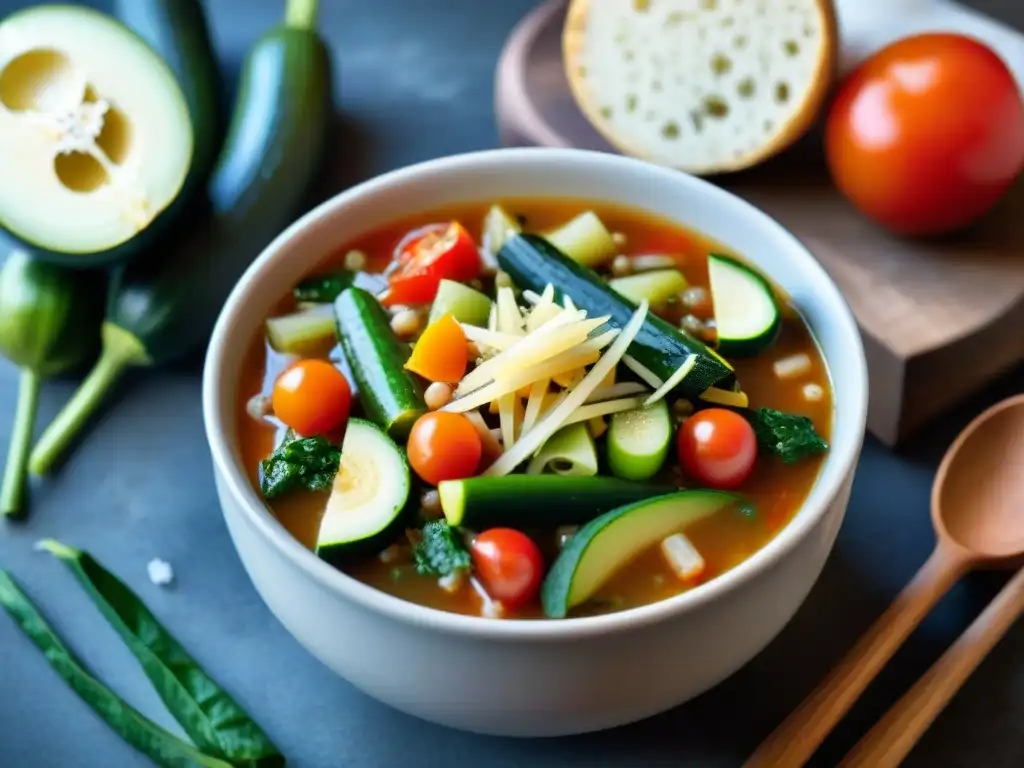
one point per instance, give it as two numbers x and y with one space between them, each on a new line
162 308
49 323
136 729
212 719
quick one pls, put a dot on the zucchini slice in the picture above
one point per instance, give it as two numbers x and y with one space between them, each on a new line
746 314
607 543
368 497
570 451
390 395
525 501
638 441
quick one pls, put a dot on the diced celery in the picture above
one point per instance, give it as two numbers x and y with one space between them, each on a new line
465 304
300 331
584 239
498 227
657 286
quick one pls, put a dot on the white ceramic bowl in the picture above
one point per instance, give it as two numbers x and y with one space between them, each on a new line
535 678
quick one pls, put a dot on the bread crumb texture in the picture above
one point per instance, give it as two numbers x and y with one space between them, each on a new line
701 85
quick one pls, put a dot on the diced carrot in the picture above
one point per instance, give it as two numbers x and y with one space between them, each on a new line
440 354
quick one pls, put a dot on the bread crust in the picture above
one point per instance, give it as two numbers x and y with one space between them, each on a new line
574 41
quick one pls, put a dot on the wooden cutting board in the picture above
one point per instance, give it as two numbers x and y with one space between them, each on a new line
938 319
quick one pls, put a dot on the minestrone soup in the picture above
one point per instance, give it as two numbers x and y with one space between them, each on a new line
534 409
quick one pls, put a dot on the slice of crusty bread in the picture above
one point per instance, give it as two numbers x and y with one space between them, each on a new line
705 86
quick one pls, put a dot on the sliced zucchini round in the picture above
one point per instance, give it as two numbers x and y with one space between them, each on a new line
369 496
607 543
746 313
638 441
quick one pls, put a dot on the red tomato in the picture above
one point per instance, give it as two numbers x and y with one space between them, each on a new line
435 253
444 446
509 565
717 448
312 397
927 134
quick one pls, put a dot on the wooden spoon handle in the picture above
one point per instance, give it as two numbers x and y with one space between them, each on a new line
792 743
892 738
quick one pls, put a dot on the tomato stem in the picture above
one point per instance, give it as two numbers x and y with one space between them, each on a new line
12 493
121 350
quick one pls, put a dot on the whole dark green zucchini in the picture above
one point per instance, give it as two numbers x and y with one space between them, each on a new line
49 323
163 308
389 394
534 263
179 32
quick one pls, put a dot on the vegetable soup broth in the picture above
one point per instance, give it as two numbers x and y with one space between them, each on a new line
723 540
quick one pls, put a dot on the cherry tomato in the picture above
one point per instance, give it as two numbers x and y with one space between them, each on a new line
435 253
717 448
927 134
312 397
444 446
509 565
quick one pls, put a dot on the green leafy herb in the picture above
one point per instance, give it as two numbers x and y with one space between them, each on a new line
440 551
136 729
308 462
786 435
323 289
210 717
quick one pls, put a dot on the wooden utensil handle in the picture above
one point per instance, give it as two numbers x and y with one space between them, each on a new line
892 738
792 743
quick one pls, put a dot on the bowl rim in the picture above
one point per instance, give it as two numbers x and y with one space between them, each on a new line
236 483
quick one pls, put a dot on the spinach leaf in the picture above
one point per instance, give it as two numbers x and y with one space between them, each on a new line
136 729
323 289
307 462
208 714
440 551
786 435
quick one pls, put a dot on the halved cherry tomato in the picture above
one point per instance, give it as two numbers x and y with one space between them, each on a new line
312 397
444 446
927 134
509 565
441 352
436 253
717 448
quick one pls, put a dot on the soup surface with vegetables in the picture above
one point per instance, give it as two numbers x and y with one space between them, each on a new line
534 409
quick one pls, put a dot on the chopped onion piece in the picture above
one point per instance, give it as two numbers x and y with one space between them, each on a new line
532 440
793 366
622 389
651 261
673 381
489 607
642 371
682 557
813 393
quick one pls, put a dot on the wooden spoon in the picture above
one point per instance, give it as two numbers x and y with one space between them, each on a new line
977 500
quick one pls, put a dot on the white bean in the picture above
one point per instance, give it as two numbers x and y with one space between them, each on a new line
355 260
647 262
622 266
437 396
430 503
406 323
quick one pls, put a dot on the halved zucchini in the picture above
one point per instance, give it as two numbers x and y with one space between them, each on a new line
95 134
638 441
607 543
657 286
364 511
746 314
